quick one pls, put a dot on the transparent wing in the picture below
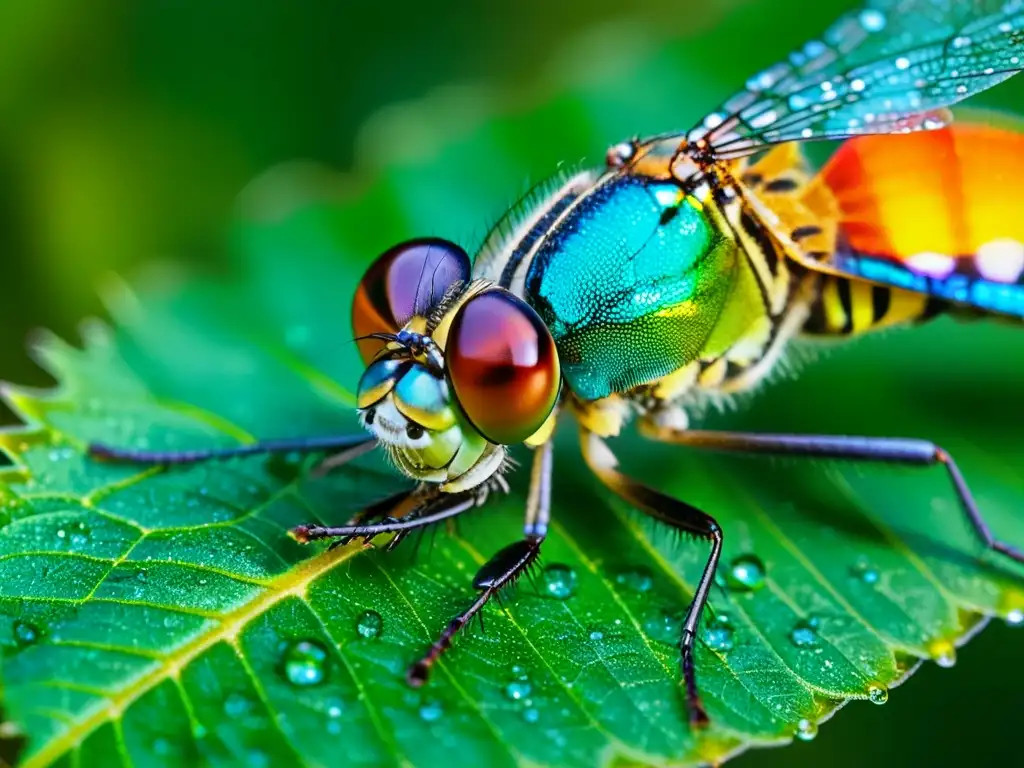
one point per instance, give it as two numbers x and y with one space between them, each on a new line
892 66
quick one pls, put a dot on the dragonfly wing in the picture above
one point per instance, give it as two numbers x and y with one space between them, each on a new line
892 66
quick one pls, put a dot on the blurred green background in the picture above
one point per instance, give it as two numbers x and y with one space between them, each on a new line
127 129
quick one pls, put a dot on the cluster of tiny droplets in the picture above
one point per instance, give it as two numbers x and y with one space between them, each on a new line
866 75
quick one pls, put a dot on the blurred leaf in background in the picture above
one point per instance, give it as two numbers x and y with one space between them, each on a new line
132 127
127 128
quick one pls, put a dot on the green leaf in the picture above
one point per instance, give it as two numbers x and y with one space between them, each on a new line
163 616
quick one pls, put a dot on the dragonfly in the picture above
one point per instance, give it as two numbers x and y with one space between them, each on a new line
680 271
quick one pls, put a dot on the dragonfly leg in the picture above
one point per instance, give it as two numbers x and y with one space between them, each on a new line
352 445
883 449
680 516
504 568
429 509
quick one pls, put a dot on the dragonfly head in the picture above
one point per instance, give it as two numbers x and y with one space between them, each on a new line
457 369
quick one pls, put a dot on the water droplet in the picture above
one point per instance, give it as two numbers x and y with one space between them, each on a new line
1015 618
559 581
162 746
203 582
257 758
805 634
718 635
518 689
806 729
431 712
662 627
24 633
334 711
866 573
636 579
943 653
305 663
79 534
878 694
597 634
872 20
531 714
237 704
369 624
746 573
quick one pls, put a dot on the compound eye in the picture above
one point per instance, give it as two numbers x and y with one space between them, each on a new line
406 280
502 364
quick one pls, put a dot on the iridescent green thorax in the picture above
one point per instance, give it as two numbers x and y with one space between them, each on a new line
631 282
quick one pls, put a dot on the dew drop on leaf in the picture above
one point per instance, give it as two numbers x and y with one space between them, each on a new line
24 633
597 634
237 704
662 627
805 634
431 712
305 663
1015 618
943 653
878 694
806 729
257 758
865 573
559 581
718 635
746 573
518 689
369 624
635 579
531 714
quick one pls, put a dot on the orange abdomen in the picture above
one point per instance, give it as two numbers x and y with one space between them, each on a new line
936 200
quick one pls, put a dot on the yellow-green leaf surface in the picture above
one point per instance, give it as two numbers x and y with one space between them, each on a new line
156 616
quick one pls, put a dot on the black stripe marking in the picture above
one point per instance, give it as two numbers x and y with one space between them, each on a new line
754 228
537 231
800 233
780 185
733 370
933 307
816 321
668 214
846 301
752 179
881 300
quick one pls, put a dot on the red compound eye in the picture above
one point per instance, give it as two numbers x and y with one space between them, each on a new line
503 366
407 279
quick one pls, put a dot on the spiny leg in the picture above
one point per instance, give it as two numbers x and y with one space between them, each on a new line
432 509
351 445
680 516
884 449
505 567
